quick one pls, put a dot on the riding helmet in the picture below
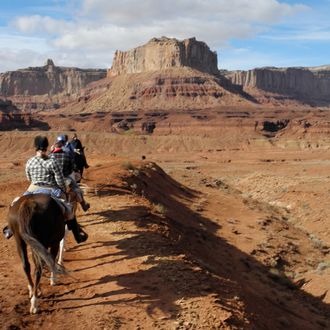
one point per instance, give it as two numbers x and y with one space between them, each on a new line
61 138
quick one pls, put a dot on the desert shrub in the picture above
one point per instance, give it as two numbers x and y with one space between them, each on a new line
129 132
316 242
323 266
128 166
159 208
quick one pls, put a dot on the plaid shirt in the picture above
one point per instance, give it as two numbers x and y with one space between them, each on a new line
64 160
44 171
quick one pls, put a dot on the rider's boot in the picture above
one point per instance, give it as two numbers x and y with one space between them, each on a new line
79 235
80 198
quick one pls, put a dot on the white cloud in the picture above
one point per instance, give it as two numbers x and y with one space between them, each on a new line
128 12
96 28
129 22
42 24
12 59
301 35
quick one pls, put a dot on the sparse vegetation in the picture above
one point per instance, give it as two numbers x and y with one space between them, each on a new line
277 276
317 243
159 208
128 166
323 266
129 132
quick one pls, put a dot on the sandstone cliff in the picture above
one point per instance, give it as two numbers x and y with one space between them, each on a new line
47 80
310 85
163 53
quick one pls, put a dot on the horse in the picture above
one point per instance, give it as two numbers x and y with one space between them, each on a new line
38 221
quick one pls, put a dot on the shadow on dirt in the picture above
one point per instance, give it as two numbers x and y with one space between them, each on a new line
184 258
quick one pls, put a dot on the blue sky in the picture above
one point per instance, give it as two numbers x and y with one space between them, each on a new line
85 33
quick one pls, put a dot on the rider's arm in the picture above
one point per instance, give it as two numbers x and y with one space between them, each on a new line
59 178
27 172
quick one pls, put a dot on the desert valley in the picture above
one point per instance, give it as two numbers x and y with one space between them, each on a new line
208 192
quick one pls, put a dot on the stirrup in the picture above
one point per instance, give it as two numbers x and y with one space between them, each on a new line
83 235
7 232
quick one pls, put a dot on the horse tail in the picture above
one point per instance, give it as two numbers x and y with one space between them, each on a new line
41 254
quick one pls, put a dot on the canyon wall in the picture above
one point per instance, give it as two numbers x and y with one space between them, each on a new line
305 84
163 53
47 80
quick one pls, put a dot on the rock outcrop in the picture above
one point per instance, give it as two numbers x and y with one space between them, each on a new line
7 106
163 53
47 80
11 118
310 85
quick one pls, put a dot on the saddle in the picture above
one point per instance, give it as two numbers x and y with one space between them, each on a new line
66 207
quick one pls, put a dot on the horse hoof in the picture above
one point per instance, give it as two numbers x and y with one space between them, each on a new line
33 310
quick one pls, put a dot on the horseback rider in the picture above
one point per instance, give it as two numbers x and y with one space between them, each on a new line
46 176
44 172
76 143
67 147
66 163
79 153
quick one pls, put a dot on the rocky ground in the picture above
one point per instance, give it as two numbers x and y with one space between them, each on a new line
226 236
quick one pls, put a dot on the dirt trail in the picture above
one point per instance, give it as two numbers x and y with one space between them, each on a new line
175 258
129 274
211 245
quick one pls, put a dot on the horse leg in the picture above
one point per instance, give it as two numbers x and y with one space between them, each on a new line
62 248
36 292
53 251
22 251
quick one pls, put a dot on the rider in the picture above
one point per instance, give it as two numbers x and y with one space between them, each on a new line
45 175
66 164
78 148
42 171
76 143
67 147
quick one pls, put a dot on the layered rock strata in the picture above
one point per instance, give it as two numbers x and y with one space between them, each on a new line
47 80
305 84
168 89
163 53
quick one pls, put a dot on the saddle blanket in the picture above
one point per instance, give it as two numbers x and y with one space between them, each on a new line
66 207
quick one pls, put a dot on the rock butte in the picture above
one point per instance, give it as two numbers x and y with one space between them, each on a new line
165 73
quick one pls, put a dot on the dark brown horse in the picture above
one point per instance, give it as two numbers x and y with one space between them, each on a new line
37 220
